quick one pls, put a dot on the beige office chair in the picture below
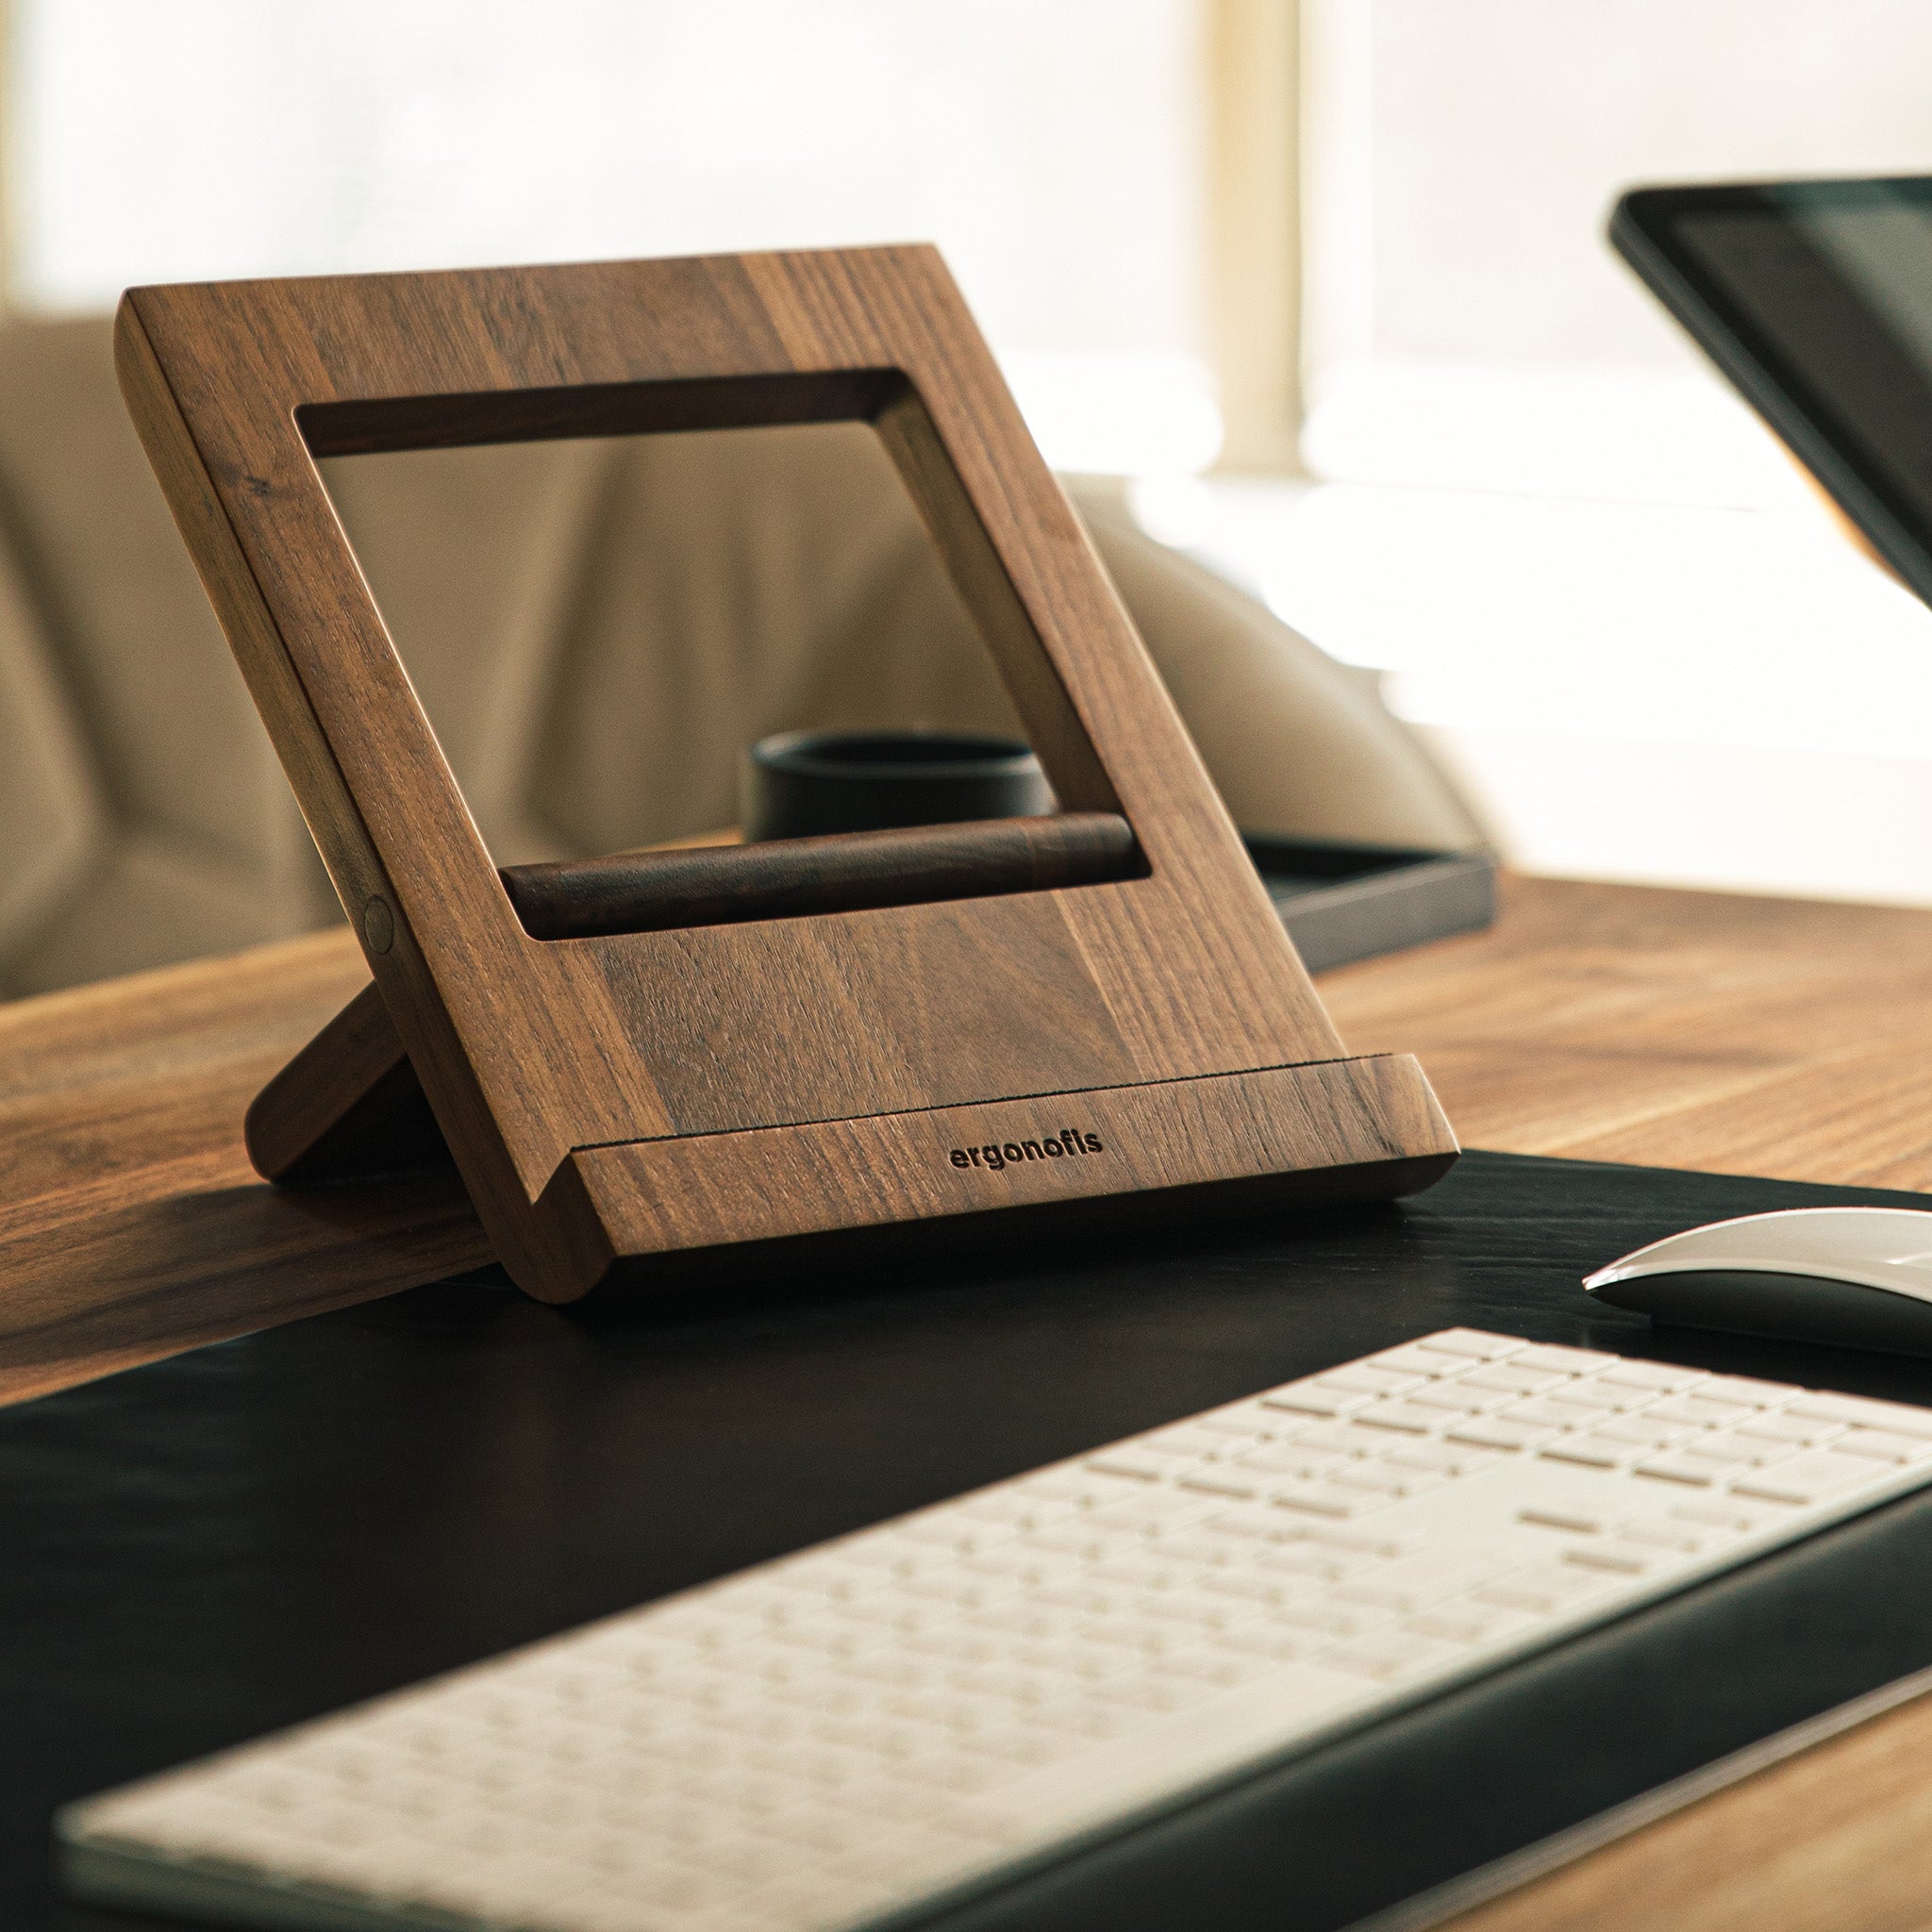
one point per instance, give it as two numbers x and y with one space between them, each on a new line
595 628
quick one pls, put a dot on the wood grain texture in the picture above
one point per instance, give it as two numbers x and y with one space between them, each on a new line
1784 1038
1340 1131
347 1107
1703 1030
132 1224
528 1049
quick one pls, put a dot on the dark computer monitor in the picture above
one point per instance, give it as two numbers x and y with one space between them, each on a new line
1815 299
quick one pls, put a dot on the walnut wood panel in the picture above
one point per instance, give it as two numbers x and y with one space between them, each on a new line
1335 1131
347 1107
528 1049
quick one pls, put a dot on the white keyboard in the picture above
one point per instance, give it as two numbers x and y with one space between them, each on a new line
915 1711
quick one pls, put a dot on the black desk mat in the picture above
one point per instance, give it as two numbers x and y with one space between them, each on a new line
207 1548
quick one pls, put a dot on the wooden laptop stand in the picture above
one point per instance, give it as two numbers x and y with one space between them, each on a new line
1040 1016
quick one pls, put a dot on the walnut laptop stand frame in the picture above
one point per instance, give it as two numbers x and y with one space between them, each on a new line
634 1102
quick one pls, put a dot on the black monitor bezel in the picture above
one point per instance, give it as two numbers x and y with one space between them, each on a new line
1644 230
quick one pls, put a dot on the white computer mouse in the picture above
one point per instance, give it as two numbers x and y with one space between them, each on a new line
1856 1278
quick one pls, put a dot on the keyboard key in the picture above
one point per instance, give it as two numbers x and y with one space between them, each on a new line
1390 1479
1730 1445
1861 1411
1593 1396
1268 1640
1882 1445
1462 1620
1721 1513
1030 1741
1545 1587
1201 1610
1315 1554
1145 1691
1412 1358
957 1588
1253 1586
1332 1499
1872 1415
1183 1440
1308 1398
1444 1459
1146 1510
1807 1477
1055 1485
1246 1419
1569 1361
1229 1482
1407 1417
1389 1654
1223 1669
1010 1683
1644 1431
1361 1379
1540 1412
1746 1389
1353 1543
1579 1514
1289 1459
1133 1464
945 1529
1345 1439
1497 1432
1205 1547
1592 1451
1471 1342
1411 1583
1674 1466
1696 1409
1300 1566
1261 1522
1458 1398
1512 1378
959 1644
1630 1559
1029 1566
1781 1427
1653 1376
1666 1533
1321 1615
1081 1540
1139 1569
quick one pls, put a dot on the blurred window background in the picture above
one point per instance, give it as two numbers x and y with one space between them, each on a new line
1326 281
1055 151
1602 587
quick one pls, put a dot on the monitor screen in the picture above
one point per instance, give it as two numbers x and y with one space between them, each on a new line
1816 298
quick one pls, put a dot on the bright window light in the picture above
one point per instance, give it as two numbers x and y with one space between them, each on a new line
1596 584
1587 432
1055 154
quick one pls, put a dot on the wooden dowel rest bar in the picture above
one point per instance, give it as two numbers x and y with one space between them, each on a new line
840 871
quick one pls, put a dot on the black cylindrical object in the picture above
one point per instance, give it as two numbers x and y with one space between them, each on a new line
799 784
834 871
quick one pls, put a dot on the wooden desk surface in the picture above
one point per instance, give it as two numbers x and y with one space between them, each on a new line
1700 1030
